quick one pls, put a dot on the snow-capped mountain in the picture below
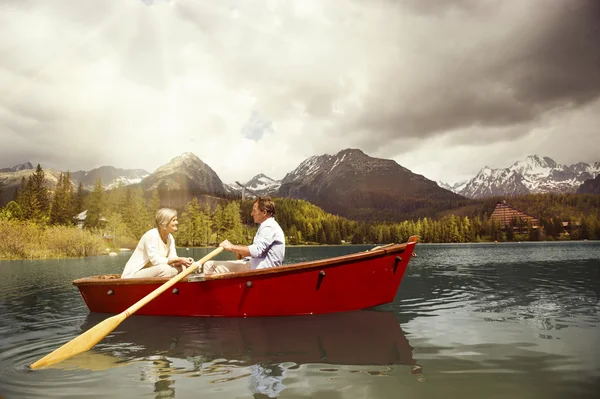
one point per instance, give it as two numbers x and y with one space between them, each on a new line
261 184
11 181
110 176
186 172
353 184
232 188
16 168
535 174
591 186
455 188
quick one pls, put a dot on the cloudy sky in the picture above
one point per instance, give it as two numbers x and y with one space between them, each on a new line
442 87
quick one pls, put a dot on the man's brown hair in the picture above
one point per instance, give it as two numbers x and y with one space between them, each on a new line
266 204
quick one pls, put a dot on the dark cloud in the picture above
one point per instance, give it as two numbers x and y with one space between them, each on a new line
561 64
85 80
550 60
429 8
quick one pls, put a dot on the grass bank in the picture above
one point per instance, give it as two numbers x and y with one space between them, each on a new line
26 240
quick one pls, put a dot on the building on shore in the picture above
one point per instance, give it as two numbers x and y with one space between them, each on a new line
516 219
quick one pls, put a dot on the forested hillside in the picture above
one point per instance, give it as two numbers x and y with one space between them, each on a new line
122 215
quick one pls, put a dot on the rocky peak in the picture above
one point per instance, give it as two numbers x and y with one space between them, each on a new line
185 160
591 186
110 176
345 161
535 165
535 174
263 185
353 184
185 172
16 168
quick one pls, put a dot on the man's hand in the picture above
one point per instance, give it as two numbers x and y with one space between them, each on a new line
238 249
226 245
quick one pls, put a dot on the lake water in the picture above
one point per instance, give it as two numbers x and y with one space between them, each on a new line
470 320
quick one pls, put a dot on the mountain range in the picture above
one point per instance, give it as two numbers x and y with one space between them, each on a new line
355 185
260 184
349 183
110 176
534 175
591 186
16 168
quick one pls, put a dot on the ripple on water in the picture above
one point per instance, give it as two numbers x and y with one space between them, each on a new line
465 309
17 379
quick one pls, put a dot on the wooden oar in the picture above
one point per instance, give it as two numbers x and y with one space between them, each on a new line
95 334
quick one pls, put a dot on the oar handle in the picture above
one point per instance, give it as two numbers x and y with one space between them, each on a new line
136 306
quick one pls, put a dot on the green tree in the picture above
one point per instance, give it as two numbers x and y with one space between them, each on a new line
96 205
586 229
11 211
135 213
115 198
78 205
40 192
25 199
153 205
62 206
190 227
118 229
233 228
219 220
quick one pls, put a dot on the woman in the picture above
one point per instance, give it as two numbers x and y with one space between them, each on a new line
155 254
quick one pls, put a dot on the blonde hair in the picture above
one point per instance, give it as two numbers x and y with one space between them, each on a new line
164 216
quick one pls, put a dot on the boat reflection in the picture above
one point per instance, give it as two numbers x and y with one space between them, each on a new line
350 338
259 349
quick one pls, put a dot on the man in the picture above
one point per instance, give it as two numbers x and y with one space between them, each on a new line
267 249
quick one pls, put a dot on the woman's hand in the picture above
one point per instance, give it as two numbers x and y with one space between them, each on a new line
179 261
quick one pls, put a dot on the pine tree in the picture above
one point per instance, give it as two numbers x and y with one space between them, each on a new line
219 221
79 201
23 198
61 209
40 192
57 206
115 198
234 230
69 191
207 228
154 203
96 203
189 230
135 212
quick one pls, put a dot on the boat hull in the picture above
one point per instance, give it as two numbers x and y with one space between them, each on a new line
345 283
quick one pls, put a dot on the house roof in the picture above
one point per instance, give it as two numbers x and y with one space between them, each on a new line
83 215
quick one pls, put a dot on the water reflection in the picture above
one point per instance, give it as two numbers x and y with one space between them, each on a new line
265 348
484 320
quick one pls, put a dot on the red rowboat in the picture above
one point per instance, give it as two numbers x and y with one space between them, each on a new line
344 283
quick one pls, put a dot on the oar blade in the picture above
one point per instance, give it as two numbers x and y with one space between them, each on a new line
82 343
